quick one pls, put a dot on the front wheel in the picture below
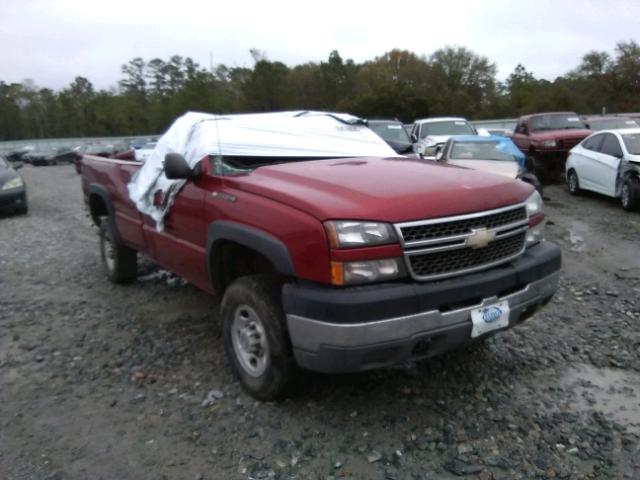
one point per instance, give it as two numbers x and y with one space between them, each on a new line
629 194
255 338
572 182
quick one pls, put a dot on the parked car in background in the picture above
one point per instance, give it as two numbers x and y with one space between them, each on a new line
145 151
502 132
68 154
41 157
430 134
13 192
492 154
18 155
546 138
604 122
607 162
393 132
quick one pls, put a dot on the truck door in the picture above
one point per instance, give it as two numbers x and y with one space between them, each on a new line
181 247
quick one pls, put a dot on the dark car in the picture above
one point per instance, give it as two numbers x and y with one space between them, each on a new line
67 154
41 157
394 133
13 193
18 155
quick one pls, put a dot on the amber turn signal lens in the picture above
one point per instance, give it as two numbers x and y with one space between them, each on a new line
337 273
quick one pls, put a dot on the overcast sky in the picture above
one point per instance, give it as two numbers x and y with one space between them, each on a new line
52 41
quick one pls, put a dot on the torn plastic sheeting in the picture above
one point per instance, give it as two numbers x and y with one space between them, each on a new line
281 134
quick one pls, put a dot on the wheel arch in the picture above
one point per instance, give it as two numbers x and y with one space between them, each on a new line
266 253
100 205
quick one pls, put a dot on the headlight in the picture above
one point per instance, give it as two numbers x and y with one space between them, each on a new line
366 271
344 233
13 183
534 204
534 207
549 143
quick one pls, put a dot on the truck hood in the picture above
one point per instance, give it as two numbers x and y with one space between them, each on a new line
567 134
384 189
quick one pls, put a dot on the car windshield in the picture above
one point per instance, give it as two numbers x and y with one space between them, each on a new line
556 122
390 131
485 150
453 127
612 123
632 142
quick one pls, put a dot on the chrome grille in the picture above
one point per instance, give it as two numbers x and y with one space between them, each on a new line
438 263
444 247
439 229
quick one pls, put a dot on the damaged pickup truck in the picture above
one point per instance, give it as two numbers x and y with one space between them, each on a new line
330 252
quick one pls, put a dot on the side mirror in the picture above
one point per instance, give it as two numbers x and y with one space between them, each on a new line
439 155
414 138
176 167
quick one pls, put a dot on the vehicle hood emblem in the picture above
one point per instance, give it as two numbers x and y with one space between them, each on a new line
480 238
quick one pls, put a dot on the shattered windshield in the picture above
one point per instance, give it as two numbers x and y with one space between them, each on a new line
632 142
556 122
240 165
489 150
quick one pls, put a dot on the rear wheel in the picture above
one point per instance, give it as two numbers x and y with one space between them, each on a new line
255 338
572 182
629 194
120 261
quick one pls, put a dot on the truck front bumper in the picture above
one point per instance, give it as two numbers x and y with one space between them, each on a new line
359 328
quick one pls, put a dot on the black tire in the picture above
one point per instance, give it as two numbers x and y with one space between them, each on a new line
573 183
120 262
629 194
248 298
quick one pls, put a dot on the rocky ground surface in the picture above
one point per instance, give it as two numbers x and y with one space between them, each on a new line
131 382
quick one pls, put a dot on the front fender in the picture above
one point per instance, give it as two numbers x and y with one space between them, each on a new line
272 248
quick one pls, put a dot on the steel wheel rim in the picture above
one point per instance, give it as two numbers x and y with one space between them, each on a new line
625 195
249 341
108 252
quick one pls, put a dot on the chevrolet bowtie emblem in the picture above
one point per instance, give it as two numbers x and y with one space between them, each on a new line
480 238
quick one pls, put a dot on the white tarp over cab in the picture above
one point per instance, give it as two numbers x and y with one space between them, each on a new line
280 134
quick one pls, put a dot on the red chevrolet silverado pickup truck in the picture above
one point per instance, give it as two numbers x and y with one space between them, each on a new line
336 265
546 139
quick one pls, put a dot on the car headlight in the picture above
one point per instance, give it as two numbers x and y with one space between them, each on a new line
535 207
549 143
346 233
13 183
534 204
366 271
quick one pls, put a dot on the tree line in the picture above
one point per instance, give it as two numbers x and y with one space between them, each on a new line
399 84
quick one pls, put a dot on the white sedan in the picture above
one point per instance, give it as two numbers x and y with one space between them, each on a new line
607 162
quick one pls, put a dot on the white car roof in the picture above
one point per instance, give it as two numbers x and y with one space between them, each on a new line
441 119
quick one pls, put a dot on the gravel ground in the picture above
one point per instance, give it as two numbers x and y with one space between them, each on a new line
109 382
